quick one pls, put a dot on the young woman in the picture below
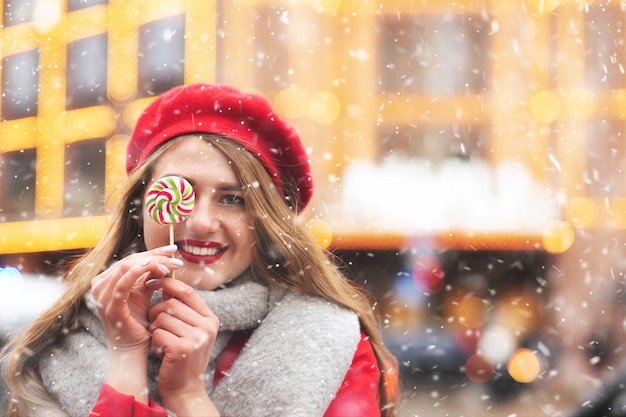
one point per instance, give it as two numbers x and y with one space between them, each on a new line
257 321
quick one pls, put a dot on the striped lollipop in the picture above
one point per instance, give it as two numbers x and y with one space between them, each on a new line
170 200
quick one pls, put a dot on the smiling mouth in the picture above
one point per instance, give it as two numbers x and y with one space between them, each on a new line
202 250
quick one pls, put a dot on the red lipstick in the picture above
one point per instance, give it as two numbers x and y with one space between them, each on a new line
201 252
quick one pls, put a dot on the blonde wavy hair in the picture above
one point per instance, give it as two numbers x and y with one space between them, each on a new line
283 241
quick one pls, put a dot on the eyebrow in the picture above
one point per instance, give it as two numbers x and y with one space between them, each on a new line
229 187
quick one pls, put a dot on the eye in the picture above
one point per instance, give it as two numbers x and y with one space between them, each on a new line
233 200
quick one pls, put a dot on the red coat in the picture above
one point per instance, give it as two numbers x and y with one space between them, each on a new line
357 397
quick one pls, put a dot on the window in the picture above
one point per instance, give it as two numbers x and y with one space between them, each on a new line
605 168
432 143
17 185
83 192
432 54
161 55
17 12
86 72
73 5
20 81
271 66
604 173
604 59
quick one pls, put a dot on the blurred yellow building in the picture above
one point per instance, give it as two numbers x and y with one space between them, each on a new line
532 83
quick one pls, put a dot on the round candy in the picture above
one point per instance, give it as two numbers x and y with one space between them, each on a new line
170 200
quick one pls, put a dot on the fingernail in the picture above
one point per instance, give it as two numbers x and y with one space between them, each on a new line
164 268
145 261
176 261
152 282
169 249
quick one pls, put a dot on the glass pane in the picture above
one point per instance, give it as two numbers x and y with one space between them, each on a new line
161 55
73 5
605 58
20 78
84 178
432 143
17 185
17 11
432 54
271 64
605 170
86 72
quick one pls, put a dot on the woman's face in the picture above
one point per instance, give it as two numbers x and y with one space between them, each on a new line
215 241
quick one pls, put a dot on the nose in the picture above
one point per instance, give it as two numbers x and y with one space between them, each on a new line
204 217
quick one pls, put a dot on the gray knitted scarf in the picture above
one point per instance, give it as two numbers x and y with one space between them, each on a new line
292 365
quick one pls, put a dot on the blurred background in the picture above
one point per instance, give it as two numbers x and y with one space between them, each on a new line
469 160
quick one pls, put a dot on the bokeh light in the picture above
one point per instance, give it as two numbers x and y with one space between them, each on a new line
518 312
618 103
618 210
428 274
545 107
497 343
132 112
524 366
580 103
479 368
324 107
467 312
46 14
581 212
558 236
291 102
544 6
470 311
467 338
321 231
325 6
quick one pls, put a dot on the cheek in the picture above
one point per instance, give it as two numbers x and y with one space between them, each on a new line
245 241
154 235
246 235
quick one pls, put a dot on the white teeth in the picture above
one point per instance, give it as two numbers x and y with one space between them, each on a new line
201 251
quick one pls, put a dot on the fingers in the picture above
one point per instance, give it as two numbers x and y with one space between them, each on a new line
186 294
183 311
183 324
180 332
178 318
119 279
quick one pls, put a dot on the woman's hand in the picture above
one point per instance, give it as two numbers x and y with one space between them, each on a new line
123 301
183 330
123 298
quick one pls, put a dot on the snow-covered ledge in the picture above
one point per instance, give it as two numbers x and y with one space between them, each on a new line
415 197
23 297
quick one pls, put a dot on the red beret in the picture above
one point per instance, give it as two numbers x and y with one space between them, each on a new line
223 110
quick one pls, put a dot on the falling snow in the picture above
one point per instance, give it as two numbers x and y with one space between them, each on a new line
493 127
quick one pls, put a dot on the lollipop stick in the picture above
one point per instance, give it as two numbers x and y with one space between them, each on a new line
172 242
